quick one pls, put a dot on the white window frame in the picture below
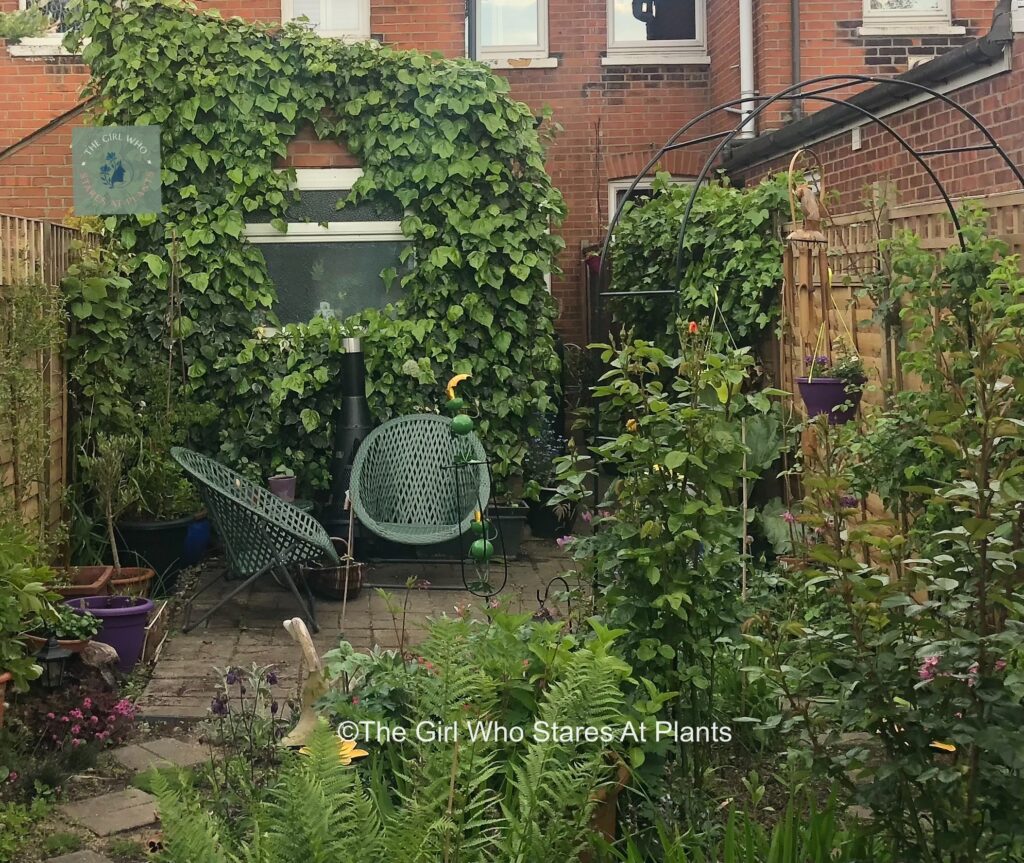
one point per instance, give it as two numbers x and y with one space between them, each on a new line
516 56
666 52
329 179
913 22
645 185
362 30
50 45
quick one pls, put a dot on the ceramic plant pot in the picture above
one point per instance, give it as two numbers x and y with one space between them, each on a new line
282 487
124 624
547 521
159 545
829 396
84 580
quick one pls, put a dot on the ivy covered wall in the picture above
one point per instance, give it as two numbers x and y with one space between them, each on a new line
441 136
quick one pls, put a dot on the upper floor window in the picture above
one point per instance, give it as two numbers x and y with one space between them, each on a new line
49 43
908 16
509 29
338 18
656 31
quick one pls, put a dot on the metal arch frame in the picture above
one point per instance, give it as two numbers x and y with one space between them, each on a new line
794 93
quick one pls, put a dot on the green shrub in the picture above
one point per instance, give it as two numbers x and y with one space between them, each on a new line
23 595
23 23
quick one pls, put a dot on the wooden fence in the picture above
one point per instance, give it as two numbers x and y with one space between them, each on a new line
853 249
34 256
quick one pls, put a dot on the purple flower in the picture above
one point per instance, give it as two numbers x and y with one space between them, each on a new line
273 708
563 541
271 678
848 501
219 706
232 677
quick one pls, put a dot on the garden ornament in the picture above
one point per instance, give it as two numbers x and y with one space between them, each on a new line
313 684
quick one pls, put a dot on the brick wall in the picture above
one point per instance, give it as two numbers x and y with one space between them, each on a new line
930 125
613 117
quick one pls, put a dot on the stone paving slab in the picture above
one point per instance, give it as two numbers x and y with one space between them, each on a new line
80 857
165 750
248 630
114 812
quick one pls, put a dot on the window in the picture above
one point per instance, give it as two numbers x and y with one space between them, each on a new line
618 191
656 31
511 29
908 16
338 18
51 43
331 261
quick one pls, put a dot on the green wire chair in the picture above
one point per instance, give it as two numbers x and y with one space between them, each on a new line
414 482
262 533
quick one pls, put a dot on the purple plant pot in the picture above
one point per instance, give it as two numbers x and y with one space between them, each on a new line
829 396
124 624
282 487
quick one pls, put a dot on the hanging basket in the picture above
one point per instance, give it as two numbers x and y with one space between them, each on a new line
830 396
329 582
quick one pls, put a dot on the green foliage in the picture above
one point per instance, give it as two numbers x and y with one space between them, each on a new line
879 662
17 821
424 800
803 833
23 594
440 136
56 844
665 554
732 252
22 23
65 623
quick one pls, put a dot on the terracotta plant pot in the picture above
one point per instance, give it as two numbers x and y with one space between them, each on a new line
132 581
829 396
5 678
84 581
282 487
35 643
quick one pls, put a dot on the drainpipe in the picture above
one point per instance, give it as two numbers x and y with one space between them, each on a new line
471 29
797 111
747 67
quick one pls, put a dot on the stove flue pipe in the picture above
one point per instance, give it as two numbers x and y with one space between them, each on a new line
352 421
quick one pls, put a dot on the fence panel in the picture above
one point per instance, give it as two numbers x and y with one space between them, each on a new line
35 254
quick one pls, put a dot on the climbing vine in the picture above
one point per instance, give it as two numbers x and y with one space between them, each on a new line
443 137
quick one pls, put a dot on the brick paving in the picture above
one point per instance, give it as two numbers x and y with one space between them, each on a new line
248 629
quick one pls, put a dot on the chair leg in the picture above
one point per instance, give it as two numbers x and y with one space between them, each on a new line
306 605
190 626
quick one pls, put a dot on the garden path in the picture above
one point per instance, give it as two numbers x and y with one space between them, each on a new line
248 629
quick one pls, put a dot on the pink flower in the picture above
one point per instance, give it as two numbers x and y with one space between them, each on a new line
77 741
355 699
87 703
12 776
94 720
927 669
76 714
76 729
1000 664
563 541
51 716
587 516
788 517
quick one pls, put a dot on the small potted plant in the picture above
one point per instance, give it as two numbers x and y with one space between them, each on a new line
833 387
547 520
282 483
72 629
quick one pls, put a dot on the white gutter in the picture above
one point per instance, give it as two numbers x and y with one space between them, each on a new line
747 90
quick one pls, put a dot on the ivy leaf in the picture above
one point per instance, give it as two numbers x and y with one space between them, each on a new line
310 419
483 315
521 295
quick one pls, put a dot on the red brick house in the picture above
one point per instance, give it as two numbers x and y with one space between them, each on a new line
620 76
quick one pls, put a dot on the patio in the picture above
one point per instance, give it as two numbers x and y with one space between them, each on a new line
248 630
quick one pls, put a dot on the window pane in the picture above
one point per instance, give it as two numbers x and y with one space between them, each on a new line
54 9
307 9
321 205
905 5
341 15
654 20
344 277
508 22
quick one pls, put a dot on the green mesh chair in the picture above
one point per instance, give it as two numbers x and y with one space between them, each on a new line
415 483
262 534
